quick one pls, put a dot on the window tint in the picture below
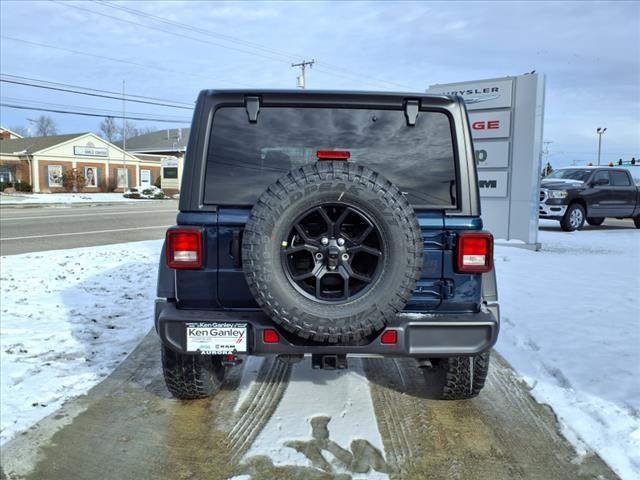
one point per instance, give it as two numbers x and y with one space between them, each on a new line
245 158
571 174
619 179
602 174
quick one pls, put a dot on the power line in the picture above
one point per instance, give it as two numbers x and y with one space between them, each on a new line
129 95
52 110
87 109
287 57
103 57
66 90
186 26
138 24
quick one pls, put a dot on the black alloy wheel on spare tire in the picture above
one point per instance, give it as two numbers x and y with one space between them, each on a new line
332 251
595 221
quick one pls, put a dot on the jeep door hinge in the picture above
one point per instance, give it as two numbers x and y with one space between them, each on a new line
447 288
252 104
448 240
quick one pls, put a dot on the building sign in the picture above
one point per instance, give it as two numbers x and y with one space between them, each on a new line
490 124
492 154
493 183
91 151
479 95
505 117
169 173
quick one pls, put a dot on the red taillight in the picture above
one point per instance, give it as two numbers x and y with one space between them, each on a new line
475 252
270 336
389 337
333 155
184 248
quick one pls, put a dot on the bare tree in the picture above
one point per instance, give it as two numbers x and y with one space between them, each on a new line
45 126
130 130
21 130
109 129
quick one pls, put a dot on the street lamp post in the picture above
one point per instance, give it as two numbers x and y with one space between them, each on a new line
600 132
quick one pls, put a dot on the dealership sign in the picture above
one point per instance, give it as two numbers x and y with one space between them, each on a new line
505 117
479 95
490 124
493 183
492 154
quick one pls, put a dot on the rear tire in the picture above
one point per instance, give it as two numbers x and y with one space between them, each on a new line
573 218
636 221
595 221
189 377
457 378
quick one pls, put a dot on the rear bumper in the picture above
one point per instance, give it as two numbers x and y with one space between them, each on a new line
432 335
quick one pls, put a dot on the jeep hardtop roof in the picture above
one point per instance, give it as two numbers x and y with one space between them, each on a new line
253 100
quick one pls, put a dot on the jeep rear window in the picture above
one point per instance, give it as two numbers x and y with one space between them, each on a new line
245 158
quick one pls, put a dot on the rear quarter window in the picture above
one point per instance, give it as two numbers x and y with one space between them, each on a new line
620 179
243 159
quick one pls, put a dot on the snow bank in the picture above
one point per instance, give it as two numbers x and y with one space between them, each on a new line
68 317
571 328
27 198
142 192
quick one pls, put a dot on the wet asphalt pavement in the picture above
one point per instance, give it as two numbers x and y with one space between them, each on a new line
128 427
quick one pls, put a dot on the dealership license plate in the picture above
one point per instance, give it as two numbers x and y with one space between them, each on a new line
216 338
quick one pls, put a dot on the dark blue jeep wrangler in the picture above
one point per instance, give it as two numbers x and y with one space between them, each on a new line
327 224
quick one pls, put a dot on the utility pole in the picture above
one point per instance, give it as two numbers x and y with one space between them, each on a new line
31 122
546 150
546 157
124 140
303 66
600 132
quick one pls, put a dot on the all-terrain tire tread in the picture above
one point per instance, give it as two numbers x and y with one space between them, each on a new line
189 377
267 208
462 377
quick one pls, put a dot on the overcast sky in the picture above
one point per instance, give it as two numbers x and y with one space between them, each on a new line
589 51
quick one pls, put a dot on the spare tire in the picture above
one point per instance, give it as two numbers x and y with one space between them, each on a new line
332 251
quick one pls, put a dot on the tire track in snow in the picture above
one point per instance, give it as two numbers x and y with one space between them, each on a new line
262 400
395 431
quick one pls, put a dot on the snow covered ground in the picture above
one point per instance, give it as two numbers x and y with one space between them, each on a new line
337 421
571 328
30 198
68 317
